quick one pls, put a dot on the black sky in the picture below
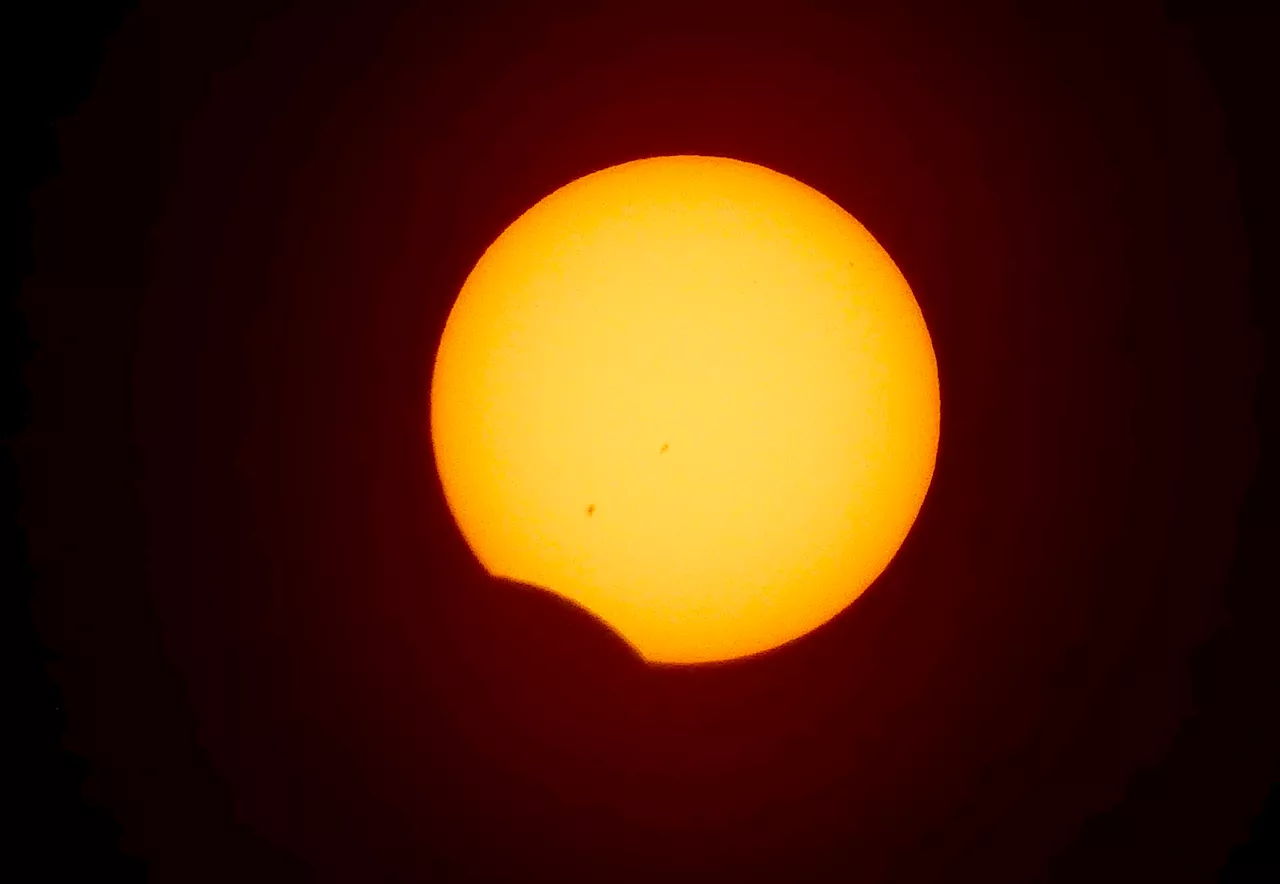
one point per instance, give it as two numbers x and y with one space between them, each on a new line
257 647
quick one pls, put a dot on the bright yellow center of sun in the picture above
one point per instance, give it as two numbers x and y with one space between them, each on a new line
692 395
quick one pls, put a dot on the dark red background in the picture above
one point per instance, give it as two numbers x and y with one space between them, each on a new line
281 662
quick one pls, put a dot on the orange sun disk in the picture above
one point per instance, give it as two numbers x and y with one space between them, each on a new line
692 395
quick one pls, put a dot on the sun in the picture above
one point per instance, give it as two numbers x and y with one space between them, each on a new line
693 396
